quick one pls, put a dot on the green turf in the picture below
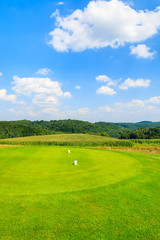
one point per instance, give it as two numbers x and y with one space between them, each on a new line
108 195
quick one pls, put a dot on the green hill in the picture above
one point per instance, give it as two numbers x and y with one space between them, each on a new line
30 128
22 128
15 129
137 125
142 133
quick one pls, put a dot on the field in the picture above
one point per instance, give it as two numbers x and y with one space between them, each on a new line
151 145
108 195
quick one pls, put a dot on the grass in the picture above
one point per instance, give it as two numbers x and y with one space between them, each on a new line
67 140
108 195
61 138
80 140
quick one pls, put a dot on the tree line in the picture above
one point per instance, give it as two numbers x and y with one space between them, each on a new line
22 128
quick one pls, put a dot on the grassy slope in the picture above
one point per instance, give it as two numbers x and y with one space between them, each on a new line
101 200
80 140
61 138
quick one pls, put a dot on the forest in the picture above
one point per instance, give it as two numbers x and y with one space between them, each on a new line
22 128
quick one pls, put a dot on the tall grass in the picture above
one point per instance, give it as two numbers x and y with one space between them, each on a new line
78 140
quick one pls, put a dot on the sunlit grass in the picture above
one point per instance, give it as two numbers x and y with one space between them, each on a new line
108 195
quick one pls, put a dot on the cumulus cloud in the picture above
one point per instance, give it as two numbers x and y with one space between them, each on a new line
107 80
43 90
5 97
43 99
103 23
67 95
43 71
0 74
134 103
134 110
105 90
154 100
103 78
78 87
9 97
134 83
27 86
142 51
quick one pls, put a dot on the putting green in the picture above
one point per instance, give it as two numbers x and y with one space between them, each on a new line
43 170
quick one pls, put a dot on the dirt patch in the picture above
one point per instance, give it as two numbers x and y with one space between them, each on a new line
133 149
6 145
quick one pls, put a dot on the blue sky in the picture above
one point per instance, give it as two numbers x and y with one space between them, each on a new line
88 60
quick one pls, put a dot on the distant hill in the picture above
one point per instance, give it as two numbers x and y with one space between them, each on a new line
14 129
77 126
142 133
22 128
142 124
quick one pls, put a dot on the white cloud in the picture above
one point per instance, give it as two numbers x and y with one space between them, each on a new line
106 109
134 83
67 95
133 104
134 110
9 97
78 87
44 91
79 112
106 79
60 3
103 78
43 71
105 91
0 74
27 86
49 110
154 100
5 97
142 51
83 110
103 23
43 99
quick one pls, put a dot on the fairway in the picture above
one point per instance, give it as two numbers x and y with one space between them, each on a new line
30 170
108 195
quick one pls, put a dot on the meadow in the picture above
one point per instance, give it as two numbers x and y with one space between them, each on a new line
108 195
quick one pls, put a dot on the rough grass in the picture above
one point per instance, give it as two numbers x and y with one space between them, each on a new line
61 138
108 195
80 140
67 140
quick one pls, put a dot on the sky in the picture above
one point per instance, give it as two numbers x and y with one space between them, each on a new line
86 60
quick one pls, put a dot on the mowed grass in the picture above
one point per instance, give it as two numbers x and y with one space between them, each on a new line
108 195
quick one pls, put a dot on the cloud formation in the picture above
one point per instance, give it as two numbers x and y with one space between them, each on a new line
44 90
43 71
142 51
60 3
5 97
134 83
105 90
9 97
103 78
78 87
101 24
0 74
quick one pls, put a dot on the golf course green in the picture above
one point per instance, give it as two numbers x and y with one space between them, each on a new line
107 195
